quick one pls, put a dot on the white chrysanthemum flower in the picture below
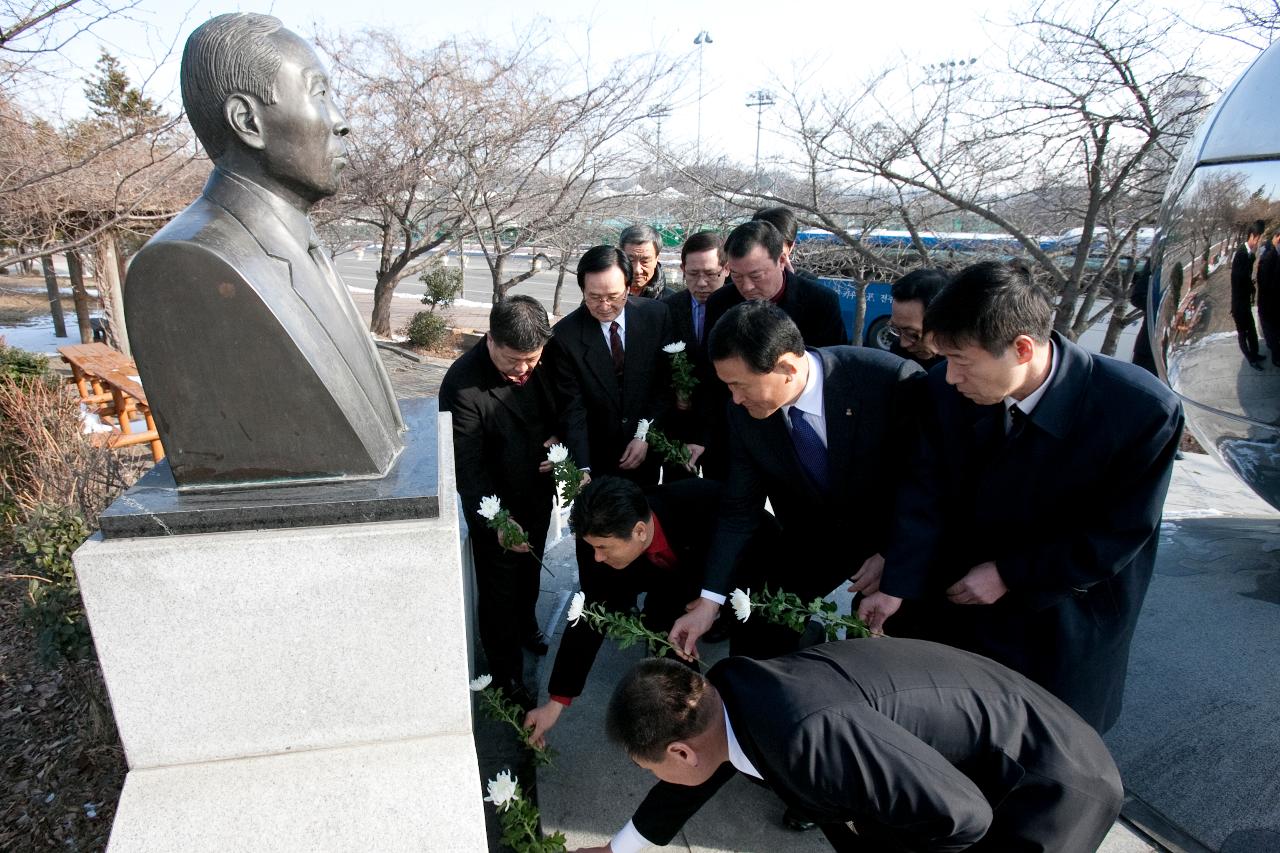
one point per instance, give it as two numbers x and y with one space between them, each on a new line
557 454
480 683
490 507
672 349
741 602
642 429
502 790
576 604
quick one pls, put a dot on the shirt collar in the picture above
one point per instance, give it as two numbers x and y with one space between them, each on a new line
294 220
1029 403
737 757
810 399
621 320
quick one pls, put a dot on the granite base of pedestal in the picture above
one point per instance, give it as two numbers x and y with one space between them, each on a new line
292 689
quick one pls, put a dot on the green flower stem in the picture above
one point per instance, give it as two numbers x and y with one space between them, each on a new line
676 452
498 707
519 819
682 378
786 608
510 534
626 631
569 477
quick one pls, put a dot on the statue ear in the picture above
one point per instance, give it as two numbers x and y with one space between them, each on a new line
241 113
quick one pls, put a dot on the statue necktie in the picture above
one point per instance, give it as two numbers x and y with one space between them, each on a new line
615 347
810 449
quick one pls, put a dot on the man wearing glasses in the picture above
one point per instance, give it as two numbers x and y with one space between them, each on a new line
641 244
911 296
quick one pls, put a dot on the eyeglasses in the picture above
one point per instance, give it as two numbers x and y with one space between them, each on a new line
908 336
709 275
606 299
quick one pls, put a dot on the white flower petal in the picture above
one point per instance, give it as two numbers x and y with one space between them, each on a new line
741 602
490 507
480 683
672 349
502 790
576 604
642 429
557 454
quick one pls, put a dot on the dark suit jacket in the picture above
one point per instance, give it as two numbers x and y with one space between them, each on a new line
684 511
600 414
1241 281
498 434
263 334
1269 284
920 746
814 308
687 424
1069 511
868 400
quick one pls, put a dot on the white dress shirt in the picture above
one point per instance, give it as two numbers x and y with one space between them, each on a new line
621 320
1028 403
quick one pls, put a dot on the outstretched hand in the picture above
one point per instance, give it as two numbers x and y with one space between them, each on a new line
876 608
542 719
867 579
700 615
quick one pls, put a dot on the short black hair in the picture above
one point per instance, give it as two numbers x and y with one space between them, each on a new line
601 258
656 704
919 285
609 506
1257 227
990 304
701 242
756 332
519 322
781 218
748 235
634 235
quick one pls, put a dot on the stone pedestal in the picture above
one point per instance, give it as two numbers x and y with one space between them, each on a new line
297 688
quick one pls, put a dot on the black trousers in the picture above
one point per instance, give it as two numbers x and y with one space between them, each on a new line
1246 333
1271 333
507 585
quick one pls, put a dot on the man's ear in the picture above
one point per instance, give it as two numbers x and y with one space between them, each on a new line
241 113
683 753
1024 348
788 364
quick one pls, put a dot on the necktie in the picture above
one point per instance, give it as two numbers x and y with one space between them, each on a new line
1017 422
615 347
698 315
812 453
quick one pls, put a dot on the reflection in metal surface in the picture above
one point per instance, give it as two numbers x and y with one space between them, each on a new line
1225 180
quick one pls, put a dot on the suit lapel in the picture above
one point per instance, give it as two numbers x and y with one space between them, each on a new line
641 341
842 414
598 359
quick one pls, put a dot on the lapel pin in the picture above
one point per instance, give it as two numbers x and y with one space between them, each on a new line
848 413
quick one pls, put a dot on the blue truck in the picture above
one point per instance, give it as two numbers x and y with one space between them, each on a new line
875 325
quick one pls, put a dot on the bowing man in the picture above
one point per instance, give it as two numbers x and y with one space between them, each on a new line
1027 525
888 744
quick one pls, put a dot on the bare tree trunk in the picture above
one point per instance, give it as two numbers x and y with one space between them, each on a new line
555 299
384 290
1114 327
75 270
55 298
1080 324
111 291
859 316
496 268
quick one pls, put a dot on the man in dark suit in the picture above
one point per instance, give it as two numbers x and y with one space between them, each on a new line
1026 527
1242 294
655 544
911 296
815 432
888 744
1269 294
756 259
257 365
642 245
614 373
501 396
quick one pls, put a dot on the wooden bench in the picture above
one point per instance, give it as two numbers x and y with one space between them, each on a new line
107 383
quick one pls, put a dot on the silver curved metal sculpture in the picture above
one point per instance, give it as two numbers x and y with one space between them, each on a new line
1228 176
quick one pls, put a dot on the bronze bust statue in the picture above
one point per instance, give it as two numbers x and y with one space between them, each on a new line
254 359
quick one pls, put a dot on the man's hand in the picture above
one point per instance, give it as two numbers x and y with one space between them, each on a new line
867 579
695 453
700 615
544 467
522 548
633 456
542 718
982 585
604 849
876 608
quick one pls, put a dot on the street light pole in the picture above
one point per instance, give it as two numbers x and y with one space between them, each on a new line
760 99
702 39
947 74
659 112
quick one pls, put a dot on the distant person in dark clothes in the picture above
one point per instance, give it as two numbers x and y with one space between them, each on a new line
1142 354
889 745
642 244
501 396
1269 294
789 227
911 296
1242 294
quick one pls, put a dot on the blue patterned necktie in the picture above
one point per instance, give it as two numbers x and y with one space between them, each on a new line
810 449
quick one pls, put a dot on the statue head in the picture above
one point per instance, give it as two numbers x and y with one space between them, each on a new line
259 100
